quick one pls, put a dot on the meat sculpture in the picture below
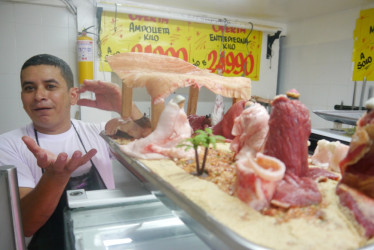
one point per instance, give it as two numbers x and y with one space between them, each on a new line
289 130
356 188
286 144
172 128
162 75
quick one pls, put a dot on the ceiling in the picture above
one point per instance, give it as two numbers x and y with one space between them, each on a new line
270 10
282 11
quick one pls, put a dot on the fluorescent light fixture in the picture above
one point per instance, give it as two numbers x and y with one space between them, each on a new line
115 242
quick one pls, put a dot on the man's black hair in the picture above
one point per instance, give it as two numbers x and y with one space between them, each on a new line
46 59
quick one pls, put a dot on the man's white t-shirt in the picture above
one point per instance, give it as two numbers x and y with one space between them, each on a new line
13 151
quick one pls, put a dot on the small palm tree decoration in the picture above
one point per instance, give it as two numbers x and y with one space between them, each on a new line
204 138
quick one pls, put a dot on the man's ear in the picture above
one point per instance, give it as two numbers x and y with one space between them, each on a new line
74 96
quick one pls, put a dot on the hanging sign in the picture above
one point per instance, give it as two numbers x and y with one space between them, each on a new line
234 51
363 51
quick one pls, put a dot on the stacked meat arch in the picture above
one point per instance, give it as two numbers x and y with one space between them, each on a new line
162 75
356 188
273 168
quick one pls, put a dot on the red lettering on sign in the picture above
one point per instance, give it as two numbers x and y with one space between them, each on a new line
218 28
180 53
230 63
148 19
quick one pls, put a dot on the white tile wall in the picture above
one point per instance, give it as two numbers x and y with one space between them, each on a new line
317 61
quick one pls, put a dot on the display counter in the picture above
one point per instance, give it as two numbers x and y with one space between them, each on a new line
140 223
152 216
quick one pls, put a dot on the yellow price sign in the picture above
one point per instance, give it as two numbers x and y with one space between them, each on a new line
363 51
234 51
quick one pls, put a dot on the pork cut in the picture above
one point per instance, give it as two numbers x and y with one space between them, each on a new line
224 127
328 154
250 129
257 178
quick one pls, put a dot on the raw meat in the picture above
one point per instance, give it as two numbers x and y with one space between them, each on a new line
127 128
361 207
357 167
172 128
199 122
328 155
257 178
250 130
289 130
294 191
320 175
162 75
224 127
356 188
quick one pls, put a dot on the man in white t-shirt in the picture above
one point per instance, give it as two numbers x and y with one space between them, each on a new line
55 153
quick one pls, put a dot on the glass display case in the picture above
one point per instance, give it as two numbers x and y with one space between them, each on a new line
140 223
153 215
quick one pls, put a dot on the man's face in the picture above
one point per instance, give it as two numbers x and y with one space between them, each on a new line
46 98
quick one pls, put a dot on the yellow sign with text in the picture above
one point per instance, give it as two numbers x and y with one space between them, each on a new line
234 51
363 51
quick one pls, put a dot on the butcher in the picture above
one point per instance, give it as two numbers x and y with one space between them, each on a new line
55 153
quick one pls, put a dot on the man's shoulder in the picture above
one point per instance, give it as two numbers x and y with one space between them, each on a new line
13 138
15 133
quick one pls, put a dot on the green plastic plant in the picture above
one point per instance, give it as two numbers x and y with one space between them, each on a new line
203 138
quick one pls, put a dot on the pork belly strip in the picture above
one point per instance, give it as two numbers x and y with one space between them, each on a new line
162 75
361 207
250 129
356 188
358 166
257 178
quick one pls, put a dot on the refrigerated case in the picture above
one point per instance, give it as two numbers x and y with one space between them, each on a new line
153 215
140 223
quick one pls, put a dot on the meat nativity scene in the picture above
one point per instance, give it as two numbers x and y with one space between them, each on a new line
250 167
